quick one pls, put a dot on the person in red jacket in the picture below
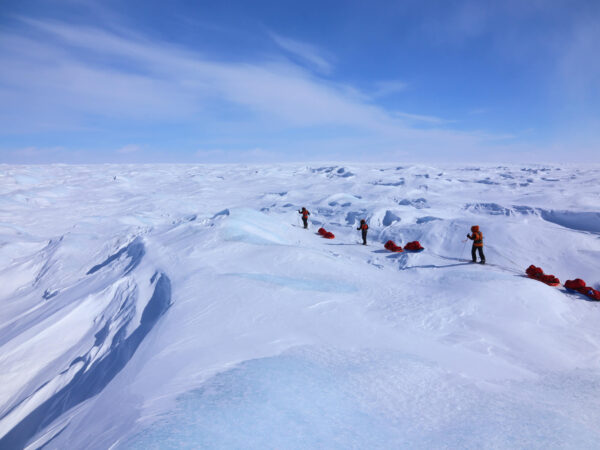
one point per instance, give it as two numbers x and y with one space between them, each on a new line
305 215
477 237
363 228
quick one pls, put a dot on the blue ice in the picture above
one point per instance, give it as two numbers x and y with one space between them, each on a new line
277 402
299 283
339 400
254 227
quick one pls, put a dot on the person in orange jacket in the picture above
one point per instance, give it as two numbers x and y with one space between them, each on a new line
305 215
477 237
363 227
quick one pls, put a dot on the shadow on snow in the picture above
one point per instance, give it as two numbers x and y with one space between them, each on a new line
92 378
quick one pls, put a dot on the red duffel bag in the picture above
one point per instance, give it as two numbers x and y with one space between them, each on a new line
538 274
575 284
534 272
413 246
549 279
392 247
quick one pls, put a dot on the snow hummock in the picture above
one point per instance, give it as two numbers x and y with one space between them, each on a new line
159 306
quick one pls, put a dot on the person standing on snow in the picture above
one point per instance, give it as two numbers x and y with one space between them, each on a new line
363 227
477 238
305 215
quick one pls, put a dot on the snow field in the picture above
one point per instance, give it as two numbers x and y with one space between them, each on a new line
192 298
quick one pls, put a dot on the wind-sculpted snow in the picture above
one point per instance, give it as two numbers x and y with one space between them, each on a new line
584 221
159 306
92 339
134 251
89 374
389 183
342 200
576 220
246 225
418 203
426 219
390 218
489 208
333 171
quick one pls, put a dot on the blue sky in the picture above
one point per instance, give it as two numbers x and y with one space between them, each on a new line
277 81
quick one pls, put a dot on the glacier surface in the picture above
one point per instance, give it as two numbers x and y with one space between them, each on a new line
184 306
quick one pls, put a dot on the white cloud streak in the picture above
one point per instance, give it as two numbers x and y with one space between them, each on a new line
305 52
66 76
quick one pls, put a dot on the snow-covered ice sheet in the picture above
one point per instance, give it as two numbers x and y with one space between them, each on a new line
159 306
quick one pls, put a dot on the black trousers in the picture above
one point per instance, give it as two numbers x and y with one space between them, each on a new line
481 255
364 236
305 221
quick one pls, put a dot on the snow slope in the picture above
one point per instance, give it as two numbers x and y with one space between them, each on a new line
159 306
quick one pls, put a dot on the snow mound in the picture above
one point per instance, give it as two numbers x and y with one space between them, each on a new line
253 227
341 199
582 221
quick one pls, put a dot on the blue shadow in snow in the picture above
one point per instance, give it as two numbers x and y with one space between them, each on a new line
49 294
578 295
134 250
92 378
580 221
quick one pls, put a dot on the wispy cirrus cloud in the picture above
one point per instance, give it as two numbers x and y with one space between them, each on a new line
421 118
86 76
309 54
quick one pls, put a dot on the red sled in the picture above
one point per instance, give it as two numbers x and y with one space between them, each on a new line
326 234
536 273
392 247
578 285
413 247
575 285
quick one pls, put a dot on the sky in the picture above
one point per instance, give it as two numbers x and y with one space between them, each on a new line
187 81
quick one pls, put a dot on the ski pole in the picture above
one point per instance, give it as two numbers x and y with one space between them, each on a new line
463 249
